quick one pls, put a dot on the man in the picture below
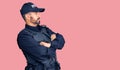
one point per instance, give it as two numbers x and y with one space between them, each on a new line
38 43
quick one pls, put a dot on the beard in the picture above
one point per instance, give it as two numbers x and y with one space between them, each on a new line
35 21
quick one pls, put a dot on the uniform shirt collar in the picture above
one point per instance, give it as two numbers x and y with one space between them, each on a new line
37 28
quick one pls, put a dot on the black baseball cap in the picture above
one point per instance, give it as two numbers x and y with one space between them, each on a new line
30 7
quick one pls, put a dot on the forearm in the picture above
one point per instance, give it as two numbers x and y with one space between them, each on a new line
59 42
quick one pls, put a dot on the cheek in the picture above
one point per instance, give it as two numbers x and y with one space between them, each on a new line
34 17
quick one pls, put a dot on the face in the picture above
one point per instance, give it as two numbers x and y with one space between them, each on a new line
34 17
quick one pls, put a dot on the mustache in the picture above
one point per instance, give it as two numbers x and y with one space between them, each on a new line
38 19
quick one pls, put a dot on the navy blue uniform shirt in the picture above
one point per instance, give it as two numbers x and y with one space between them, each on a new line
33 51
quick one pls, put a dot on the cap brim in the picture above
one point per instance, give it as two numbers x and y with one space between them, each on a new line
41 9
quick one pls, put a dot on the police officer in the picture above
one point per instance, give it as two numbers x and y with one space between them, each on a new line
38 43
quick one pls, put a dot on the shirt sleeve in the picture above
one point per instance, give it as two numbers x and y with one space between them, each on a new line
57 43
32 47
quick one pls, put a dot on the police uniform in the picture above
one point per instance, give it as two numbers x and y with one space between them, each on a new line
39 57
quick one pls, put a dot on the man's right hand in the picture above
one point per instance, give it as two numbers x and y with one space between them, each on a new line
53 36
45 44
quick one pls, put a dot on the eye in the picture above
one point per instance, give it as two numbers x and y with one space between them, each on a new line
37 13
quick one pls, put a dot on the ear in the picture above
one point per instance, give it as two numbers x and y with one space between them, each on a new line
27 16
